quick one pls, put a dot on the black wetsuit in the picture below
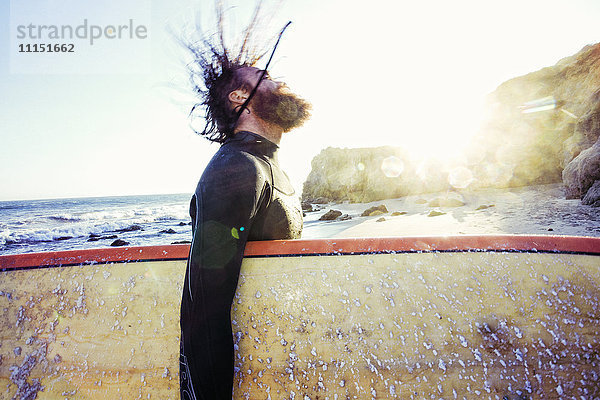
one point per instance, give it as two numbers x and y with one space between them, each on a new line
242 195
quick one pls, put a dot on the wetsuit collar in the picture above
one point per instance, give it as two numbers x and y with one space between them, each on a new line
248 136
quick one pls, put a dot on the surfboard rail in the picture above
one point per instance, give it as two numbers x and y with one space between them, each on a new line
521 243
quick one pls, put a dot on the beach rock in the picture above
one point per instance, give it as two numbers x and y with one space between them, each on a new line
94 235
169 231
582 172
183 223
345 217
307 206
446 202
330 215
130 228
119 242
397 213
380 219
592 197
63 238
182 242
484 207
435 213
376 210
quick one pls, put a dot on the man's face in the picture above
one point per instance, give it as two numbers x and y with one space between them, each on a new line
274 102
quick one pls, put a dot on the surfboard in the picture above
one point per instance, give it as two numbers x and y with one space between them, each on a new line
492 317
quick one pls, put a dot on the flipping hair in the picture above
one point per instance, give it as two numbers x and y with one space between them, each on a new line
213 75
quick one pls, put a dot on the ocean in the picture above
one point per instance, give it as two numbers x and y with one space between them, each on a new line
93 222
70 224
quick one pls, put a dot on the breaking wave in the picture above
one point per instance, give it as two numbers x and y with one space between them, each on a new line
31 225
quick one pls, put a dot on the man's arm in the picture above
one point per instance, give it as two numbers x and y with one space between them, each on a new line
227 199
229 195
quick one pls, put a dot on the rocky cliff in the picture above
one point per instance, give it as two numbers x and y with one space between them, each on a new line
542 127
367 174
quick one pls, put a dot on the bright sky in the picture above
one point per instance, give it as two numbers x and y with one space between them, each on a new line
384 72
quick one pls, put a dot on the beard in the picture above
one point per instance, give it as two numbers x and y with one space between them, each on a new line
282 108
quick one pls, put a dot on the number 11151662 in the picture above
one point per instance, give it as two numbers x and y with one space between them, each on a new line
47 48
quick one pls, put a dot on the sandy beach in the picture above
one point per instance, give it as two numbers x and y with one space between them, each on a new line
539 210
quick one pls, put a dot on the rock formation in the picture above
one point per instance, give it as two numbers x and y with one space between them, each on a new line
367 174
543 127
581 173
522 144
592 197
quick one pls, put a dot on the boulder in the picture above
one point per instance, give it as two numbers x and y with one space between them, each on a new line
582 172
169 231
307 206
330 215
119 242
592 197
376 210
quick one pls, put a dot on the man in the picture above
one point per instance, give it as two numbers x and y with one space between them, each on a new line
242 195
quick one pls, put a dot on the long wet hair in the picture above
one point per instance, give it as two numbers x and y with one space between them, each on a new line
213 74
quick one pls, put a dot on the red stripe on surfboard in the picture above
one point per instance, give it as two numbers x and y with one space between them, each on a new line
575 244
98 256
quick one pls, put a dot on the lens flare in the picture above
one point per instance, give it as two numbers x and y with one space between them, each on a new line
543 104
392 167
498 174
460 177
